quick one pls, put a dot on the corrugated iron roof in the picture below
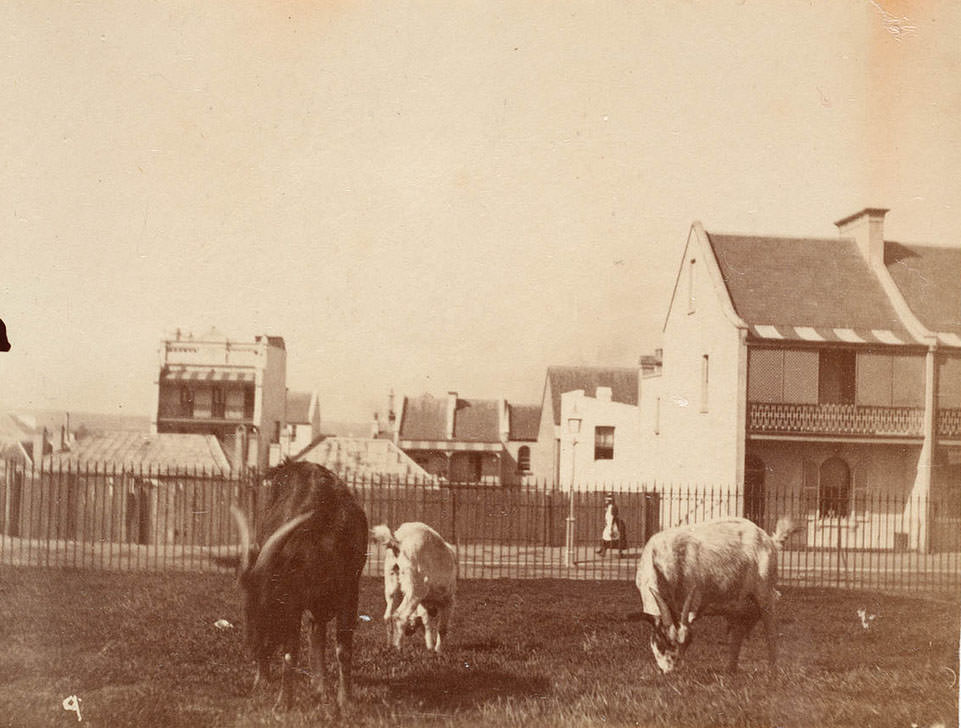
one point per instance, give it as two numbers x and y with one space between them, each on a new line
136 450
362 457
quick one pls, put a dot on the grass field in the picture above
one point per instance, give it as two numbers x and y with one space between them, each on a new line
142 650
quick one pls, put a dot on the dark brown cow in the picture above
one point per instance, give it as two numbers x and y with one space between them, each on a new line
314 537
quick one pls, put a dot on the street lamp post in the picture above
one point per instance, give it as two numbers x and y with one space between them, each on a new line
574 428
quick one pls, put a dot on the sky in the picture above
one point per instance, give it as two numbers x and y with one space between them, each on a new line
433 196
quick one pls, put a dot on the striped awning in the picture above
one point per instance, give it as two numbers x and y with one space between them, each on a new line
451 445
208 374
842 335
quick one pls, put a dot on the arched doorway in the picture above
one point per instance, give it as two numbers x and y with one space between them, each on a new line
754 472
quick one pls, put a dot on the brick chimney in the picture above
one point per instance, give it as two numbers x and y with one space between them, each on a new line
867 229
451 411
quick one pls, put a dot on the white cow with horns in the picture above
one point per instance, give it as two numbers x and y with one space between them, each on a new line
420 582
725 567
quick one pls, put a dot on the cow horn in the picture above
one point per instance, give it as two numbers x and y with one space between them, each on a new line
279 537
686 617
667 619
244 537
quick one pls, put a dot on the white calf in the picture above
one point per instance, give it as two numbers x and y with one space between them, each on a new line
420 580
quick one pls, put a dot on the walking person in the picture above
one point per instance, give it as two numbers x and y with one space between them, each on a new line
614 535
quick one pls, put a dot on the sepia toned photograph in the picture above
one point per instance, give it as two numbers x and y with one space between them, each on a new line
480 364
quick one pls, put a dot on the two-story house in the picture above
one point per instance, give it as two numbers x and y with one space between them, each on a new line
235 390
469 440
825 369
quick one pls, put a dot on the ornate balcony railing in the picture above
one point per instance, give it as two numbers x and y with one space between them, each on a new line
949 422
835 419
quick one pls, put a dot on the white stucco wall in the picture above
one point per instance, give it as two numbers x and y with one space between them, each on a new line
623 472
700 442
882 504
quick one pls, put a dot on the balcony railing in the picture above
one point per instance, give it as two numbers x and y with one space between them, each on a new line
949 422
835 419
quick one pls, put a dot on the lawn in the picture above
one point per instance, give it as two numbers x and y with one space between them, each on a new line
141 649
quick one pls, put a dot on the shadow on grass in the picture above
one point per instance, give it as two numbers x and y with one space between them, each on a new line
465 688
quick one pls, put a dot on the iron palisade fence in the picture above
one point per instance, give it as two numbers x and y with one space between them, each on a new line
110 517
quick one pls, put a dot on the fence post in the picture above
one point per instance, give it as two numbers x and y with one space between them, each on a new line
453 514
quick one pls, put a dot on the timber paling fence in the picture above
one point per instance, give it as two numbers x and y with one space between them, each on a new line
177 519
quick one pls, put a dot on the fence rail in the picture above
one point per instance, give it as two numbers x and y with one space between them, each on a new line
169 519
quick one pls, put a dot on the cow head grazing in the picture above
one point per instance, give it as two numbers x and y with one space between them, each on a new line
259 580
670 639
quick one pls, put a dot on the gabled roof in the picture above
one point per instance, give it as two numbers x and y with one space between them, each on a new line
476 420
525 421
929 278
621 380
813 289
424 418
176 452
298 408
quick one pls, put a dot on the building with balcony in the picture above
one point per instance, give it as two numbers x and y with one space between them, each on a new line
235 390
469 440
826 369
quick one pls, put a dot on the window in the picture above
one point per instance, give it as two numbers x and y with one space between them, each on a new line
186 402
705 381
691 281
217 407
293 431
276 436
249 404
603 443
836 376
834 491
524 459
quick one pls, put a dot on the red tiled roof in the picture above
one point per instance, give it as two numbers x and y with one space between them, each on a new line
929 278
136 450
621 380
809 283
525 421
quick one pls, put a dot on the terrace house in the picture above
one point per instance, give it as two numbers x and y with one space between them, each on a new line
827 369
469 440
